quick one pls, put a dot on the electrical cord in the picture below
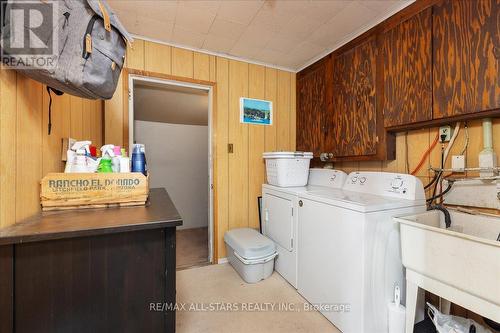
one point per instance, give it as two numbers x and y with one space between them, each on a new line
466 141
407 164
424 156
434 197
433 180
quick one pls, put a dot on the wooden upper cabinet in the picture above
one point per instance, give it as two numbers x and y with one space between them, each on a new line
311 105
354 100
407 56
466 56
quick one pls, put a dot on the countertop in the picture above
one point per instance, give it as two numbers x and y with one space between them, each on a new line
159 212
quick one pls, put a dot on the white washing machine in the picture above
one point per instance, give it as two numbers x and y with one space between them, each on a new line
280 207
349 256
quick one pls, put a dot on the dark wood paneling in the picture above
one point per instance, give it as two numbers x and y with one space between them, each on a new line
95 284
354 100
6 289
311 105
466 55
407 55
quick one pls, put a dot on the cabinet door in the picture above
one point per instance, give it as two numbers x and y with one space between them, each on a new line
311 104
407 53
466 53
354 100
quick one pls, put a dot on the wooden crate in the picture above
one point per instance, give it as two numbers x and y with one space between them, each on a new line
61 191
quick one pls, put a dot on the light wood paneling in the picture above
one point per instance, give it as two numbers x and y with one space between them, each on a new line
135 55
8 137
293 112
213 68
238 137
76 105
113 120
271 85
222 176
157 58
201 66
51 145
256 89
182 62
27 152
283 112
28 146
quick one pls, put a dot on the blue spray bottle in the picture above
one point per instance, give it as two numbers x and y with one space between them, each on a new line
139 159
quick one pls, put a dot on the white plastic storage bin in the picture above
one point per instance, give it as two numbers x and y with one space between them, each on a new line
250 253
287 169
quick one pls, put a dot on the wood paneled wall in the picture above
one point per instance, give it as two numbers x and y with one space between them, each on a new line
239 175
27 152
418 141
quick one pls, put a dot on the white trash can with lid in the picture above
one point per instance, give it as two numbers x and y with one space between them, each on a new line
250 253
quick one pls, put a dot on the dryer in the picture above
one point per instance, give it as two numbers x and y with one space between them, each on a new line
349 257
280 216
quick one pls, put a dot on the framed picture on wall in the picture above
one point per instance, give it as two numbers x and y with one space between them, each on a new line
256 111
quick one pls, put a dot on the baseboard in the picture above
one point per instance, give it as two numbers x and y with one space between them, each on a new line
222 261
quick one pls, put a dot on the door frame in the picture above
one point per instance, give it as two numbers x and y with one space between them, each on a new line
131 75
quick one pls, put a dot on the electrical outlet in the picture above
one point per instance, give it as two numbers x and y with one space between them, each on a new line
458 163
445 133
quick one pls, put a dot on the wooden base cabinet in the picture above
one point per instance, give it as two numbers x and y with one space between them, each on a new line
105 283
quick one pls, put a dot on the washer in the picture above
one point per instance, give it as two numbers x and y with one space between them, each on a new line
280 207
349 256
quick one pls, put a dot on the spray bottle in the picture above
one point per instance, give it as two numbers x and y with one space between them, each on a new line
139 159
79 162
115 160
105 165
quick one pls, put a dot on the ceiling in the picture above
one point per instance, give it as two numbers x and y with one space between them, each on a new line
288 34
170 104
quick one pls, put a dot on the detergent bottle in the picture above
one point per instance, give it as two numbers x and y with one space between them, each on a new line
78 158
105 165
139 159
115 160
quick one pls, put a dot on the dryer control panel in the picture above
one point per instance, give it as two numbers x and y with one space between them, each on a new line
396 185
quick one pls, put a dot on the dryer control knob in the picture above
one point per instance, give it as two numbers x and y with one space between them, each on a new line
301 203
396 183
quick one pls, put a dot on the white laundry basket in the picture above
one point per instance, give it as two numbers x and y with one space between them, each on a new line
250 253
287 169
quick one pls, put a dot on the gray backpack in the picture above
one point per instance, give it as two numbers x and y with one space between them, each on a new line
88 45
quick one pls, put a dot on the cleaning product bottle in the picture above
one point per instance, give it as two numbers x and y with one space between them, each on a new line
115 160
105 165
138 159
124 162
81 149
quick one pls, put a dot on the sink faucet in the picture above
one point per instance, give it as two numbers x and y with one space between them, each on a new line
447 217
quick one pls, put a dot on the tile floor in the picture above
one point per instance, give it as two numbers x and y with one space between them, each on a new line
219 285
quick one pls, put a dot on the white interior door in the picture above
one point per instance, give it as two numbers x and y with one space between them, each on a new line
279 220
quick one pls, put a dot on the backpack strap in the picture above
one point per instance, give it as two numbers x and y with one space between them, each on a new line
58 93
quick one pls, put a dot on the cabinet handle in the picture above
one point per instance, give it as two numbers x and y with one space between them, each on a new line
301 203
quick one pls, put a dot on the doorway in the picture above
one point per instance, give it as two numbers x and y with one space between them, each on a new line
173 120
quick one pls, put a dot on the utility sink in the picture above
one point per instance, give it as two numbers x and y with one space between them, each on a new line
461 263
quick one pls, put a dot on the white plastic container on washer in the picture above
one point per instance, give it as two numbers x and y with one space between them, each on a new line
287 169
250 253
